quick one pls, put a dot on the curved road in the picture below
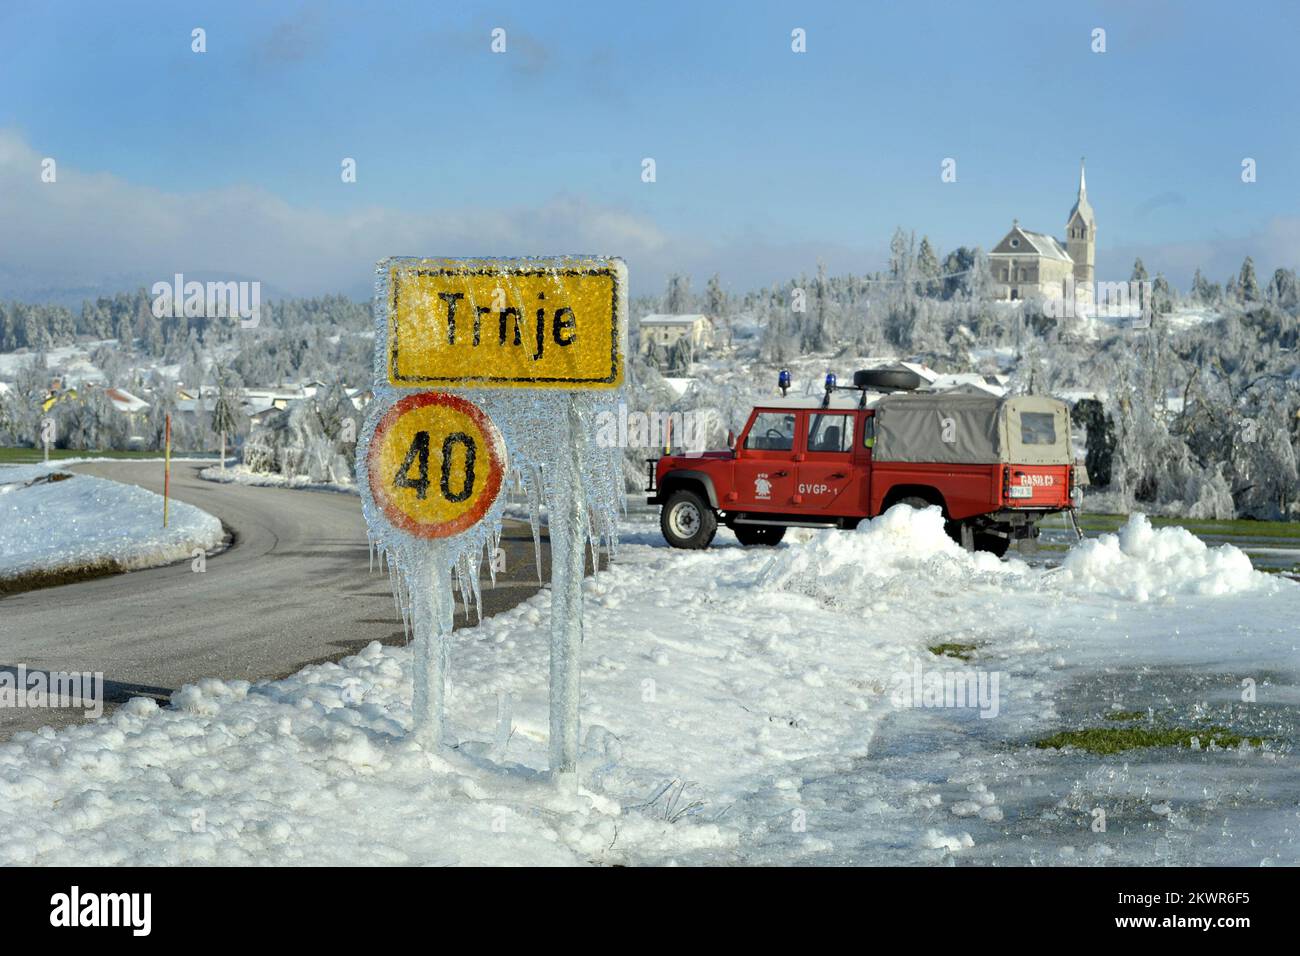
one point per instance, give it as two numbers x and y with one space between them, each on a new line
293 589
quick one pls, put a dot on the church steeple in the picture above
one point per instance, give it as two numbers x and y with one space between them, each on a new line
1081 232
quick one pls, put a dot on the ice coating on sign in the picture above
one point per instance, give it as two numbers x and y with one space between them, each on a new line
553 461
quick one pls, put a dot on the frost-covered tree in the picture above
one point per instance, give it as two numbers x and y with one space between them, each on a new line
226 412
927 269
677 297
1247 284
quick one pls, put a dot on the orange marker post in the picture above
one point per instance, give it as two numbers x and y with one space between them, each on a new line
167 466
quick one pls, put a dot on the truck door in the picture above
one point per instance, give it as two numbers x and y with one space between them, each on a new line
826 479
765 467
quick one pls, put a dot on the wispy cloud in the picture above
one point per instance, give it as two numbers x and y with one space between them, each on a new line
89 228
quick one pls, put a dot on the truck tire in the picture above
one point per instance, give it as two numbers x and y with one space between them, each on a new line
768 535
887 379
915 501
994 544
687 521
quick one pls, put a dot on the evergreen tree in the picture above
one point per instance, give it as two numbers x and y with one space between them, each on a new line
226 413
1248 285
927 268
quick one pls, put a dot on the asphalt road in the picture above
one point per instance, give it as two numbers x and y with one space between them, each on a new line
293 588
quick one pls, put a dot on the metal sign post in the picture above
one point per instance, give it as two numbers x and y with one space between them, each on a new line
430 464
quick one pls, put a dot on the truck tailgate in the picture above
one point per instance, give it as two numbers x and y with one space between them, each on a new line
1036 486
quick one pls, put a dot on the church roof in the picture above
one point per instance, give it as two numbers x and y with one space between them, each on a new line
1047 245
1039 244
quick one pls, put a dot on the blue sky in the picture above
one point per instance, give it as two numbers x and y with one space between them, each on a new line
767 160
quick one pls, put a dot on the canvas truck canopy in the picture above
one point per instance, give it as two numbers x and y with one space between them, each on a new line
972 429
1036 431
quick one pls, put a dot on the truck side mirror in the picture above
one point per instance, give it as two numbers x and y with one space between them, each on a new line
731 439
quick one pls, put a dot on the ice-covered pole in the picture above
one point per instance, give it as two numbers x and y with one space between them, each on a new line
433 621
568 531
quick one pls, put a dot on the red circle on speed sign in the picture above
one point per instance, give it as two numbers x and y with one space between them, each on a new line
435 464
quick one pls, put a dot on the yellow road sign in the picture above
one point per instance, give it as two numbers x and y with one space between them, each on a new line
526 323
435 464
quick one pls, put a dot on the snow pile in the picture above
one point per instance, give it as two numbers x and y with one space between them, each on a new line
1142 563
849 568
82 522
317 768
241 474
725 721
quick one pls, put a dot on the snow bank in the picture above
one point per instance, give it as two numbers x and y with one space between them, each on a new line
1142 563
317 768
84 521
241 474
908 550
849 568
736 707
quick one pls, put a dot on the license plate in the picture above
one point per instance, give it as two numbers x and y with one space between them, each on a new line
1020 491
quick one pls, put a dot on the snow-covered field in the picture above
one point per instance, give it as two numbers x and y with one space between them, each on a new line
84 522
739 706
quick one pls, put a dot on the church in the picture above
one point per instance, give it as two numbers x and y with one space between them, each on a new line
1033 264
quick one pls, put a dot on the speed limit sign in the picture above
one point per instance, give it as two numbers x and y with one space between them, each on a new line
435 464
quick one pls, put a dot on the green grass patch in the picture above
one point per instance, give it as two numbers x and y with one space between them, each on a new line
1113 740
962 652
1126 715
1240 527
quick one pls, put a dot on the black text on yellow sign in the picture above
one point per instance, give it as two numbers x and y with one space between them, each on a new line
531 324
435 464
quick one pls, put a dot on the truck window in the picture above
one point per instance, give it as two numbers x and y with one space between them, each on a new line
771 431
1037 428
869 432
830 432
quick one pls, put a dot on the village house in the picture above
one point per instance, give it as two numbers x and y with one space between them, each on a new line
663 332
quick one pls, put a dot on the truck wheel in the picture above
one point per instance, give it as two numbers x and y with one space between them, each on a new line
994 544
687 521
759 534
914 501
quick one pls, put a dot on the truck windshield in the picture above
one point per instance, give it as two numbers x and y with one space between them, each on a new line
771 431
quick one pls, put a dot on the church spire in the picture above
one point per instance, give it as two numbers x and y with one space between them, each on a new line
1081 205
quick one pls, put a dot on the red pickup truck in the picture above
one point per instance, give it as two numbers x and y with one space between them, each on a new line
995 465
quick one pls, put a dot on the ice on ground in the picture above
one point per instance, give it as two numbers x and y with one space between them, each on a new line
84 521
730 715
